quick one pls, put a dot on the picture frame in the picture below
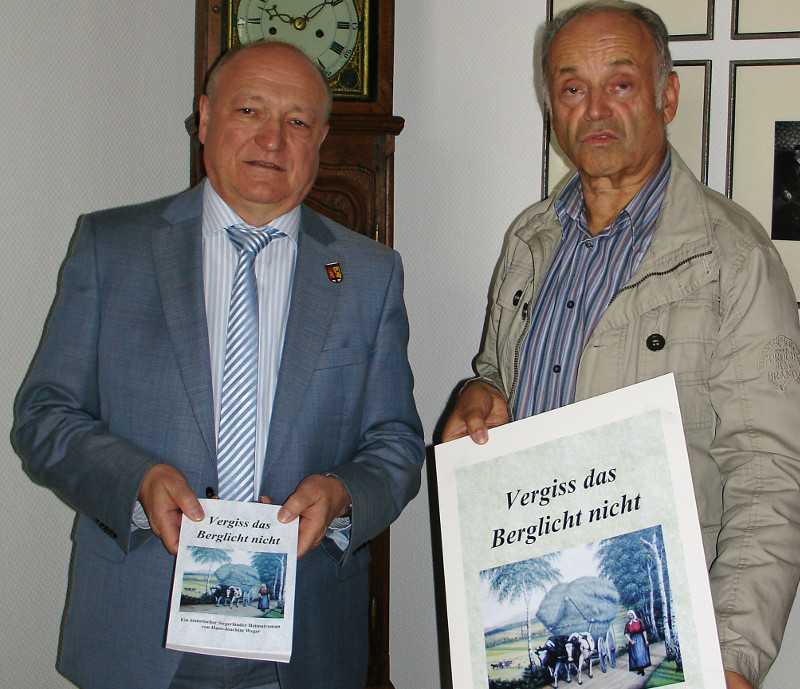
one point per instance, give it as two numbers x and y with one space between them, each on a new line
749 20
686 20
688 132
757 141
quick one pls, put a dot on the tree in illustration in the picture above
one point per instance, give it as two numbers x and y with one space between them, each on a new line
626 561
210 557
656 546
519 581
636 563
271 568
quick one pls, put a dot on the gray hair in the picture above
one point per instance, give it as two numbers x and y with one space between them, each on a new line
213 73
652 22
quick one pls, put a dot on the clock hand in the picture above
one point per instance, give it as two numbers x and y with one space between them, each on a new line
314 11
274 13
300 23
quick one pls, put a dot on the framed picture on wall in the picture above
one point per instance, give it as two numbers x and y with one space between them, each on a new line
752 20
764 151
688 132
686 20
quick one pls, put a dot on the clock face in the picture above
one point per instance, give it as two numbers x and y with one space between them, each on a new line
328 31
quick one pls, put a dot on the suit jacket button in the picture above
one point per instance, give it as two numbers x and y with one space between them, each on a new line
516 298
656 342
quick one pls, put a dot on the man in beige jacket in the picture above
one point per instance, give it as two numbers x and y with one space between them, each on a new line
635 269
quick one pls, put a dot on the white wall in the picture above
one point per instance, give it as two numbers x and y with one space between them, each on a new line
94 101
94 98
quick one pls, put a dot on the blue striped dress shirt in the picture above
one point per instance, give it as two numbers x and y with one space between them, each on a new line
274 275
585 274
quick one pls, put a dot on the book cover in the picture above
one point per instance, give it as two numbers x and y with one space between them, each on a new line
571 547
234 583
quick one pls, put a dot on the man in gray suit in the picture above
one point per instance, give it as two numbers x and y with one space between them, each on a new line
119 414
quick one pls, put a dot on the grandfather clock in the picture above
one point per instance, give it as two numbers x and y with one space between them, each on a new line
353 42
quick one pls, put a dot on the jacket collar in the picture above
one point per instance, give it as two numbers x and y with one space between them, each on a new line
313 305
178 258
682 241
682 230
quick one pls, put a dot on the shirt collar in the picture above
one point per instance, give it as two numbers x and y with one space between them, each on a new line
217 215
639 212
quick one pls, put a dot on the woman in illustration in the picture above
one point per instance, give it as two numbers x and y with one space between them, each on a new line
638 648
263 598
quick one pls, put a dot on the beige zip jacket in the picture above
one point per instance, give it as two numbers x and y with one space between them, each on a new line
713 287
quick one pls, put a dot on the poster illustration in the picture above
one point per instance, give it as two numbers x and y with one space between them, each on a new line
572 549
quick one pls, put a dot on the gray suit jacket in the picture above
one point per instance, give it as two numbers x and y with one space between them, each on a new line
122 380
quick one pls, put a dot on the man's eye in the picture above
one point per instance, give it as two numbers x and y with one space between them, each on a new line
246 111
299 123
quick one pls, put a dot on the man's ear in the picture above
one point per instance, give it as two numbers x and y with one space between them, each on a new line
202 125
669 97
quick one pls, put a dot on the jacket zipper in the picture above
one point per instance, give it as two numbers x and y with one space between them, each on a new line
517 348
658 273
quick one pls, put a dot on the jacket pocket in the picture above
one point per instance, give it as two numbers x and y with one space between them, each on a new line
690 332
341 356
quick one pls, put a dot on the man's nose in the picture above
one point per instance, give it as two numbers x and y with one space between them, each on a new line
270 135
597 107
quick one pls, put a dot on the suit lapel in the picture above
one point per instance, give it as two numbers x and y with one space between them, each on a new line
313 303
178 258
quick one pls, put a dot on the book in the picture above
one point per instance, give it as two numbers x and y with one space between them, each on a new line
562 526
234 583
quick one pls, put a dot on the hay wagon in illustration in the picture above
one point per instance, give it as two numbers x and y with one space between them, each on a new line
578 615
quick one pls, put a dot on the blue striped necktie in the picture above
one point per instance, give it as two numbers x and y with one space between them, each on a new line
236 440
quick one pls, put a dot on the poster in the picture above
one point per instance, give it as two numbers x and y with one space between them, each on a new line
562 527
